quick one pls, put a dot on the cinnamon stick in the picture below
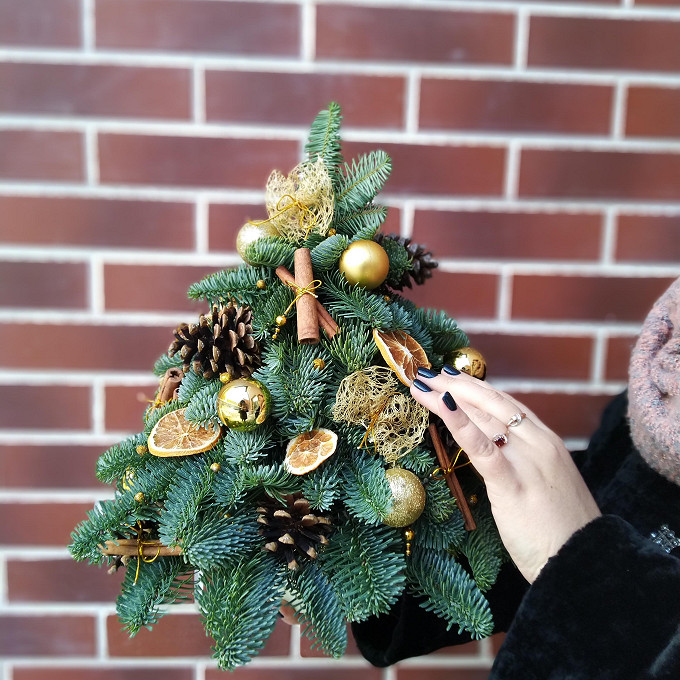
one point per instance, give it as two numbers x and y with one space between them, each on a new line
326 321
451 479
168 384
129 546
307 317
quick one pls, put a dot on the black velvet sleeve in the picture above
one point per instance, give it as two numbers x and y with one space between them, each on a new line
607 606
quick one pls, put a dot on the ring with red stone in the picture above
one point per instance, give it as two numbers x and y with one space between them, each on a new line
516 419
500 439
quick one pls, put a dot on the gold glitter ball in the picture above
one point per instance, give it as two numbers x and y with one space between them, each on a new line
408 497
319 364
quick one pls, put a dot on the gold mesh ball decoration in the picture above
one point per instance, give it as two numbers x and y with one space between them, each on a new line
301 203
395 424
408 497
468 360
243 404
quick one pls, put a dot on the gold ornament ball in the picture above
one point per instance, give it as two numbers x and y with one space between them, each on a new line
249 233
243 404
365 263
467 360
408 497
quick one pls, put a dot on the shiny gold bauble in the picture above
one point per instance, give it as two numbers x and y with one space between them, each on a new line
408 497
365 263
243 404
249 233
467 360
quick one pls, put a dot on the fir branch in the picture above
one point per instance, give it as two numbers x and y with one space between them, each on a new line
366 567
154 413
159 583
430 535
202 410
228 486
328 252
446 335
439 504
324 139
192 384
367 492
116 461
271 251
353 348
265 311
418 331
354 302
449 592
239 607
241 448
319 610
400 261
273 480
362 223
363 180
239 284
165 362
418 460
321 487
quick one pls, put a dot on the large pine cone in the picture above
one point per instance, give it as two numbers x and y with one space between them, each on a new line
221 342
422 262
292 531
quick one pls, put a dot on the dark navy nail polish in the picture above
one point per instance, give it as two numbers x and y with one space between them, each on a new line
449 402
421 386
450 370
426 372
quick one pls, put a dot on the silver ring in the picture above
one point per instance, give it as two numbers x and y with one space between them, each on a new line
500 439
516 419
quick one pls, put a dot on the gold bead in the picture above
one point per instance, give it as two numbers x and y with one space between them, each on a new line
261 284
141 449
387 298
319 364
225 378
332 232
365 263
472 499
281 320
215 467
139 497
409 534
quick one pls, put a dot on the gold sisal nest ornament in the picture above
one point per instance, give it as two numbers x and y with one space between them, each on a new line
394 423
302 202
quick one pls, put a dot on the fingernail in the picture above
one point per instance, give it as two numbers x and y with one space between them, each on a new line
449 402
426 372
450 370
421 386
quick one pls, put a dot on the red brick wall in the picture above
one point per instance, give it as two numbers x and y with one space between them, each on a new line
537 152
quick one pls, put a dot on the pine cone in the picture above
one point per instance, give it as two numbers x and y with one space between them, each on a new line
422 261
291 531
221 342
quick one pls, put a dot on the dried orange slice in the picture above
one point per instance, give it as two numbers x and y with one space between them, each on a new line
309 449
174 435
402 353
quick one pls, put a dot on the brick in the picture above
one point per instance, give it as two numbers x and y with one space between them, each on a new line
535 356
283 672
125 406
226 219
79 346
65 580
648 238
295 98
60 285
95 90
569 415
52 466
440 170
41 155
43 407
599 174
47 635
673 3
652 111
409 35
192 161
98 673
180 635
592 298
40 524
96 222
238 28
618 354
461 295
515 236
152 287
429 673
616 44
514 106
41 23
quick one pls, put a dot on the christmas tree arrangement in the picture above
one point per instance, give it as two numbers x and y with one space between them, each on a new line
283 458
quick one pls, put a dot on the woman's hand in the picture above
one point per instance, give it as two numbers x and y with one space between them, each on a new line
537 495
